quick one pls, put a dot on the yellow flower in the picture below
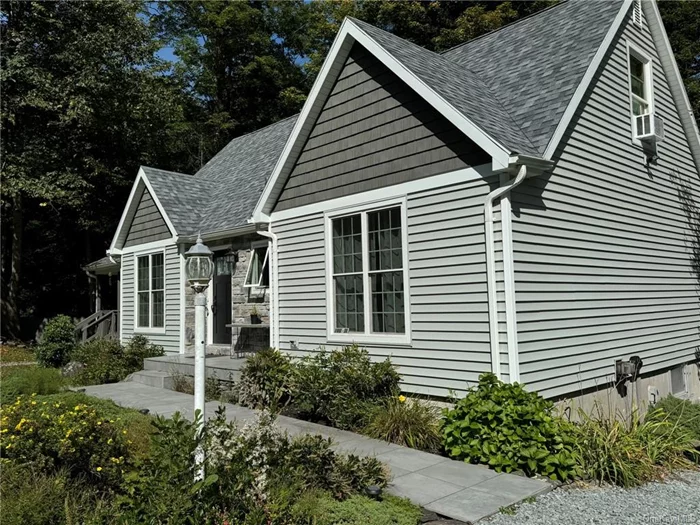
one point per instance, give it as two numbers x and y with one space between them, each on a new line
33 402
109 441
402 399
124 432
99 469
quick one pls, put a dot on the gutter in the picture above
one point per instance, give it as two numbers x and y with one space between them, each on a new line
508 266
274 298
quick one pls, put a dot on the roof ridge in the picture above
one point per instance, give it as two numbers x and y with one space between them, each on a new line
514 22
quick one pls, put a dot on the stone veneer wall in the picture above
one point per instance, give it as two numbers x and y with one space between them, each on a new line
242 302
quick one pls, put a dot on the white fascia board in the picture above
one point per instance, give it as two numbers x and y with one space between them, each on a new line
673 76
149 246
586 81
347 35
141 179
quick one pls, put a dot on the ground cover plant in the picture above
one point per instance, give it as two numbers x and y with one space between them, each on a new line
509 429
681 411
19 380
16 354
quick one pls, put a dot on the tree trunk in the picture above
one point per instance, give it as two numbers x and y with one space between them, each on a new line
10 311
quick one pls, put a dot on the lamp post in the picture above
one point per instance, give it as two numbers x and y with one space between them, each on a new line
199 269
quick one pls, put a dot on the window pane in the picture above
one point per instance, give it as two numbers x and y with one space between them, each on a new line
143 309
347 245
158 308
157 277
349 303
142 281
385 240
387 302
639 107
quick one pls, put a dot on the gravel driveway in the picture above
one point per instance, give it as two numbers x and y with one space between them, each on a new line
673 502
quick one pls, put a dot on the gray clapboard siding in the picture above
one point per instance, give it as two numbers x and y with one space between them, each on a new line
449 315
603 268
373 131
148 224
170 340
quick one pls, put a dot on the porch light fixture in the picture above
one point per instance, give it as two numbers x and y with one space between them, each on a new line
199 269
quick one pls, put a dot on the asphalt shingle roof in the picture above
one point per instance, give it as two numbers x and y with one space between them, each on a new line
535 64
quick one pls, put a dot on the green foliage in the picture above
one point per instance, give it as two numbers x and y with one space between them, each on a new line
57 342
408 422
32 497
107 361
340 387
54 436
265 381
321 509
213 388
26 380
509 429
629 453
681 411
15 354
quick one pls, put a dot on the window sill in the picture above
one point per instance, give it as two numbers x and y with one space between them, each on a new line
370 339
151 331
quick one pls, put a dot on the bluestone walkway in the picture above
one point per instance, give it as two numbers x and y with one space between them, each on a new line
450 488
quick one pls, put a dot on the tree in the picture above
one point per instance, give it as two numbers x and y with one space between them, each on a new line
84 102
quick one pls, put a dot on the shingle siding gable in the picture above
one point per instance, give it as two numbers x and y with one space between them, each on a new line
373 131
603 248
148 224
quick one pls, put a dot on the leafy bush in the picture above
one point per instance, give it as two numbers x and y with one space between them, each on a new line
509 429
408 422
213 389
255 474
630 453
30 380
321 509
32 497
54 436
341 387
107 361
265 381
57 342
681 411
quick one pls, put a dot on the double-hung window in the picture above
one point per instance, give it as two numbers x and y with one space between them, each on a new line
641 91
150 291
367 269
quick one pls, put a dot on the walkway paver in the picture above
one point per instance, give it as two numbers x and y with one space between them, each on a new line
457 490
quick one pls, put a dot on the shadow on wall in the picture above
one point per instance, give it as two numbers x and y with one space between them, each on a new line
692 239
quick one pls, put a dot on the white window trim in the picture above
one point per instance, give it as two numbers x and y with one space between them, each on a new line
634 50
148 329
368 337
266 260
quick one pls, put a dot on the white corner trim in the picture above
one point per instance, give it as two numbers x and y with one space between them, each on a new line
140 179
183 313
367 337
509 284
673 76
586 81
347 35
121 302
390 192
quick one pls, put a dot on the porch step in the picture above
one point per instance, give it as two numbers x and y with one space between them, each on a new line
156 378
223 368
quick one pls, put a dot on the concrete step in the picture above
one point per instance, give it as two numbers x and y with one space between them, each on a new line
223 368
156 378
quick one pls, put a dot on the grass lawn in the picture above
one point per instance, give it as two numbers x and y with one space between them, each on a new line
14 354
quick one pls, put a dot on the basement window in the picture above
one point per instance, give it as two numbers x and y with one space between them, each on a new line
258 274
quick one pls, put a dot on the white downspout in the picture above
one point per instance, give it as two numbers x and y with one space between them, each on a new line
274 298
491 269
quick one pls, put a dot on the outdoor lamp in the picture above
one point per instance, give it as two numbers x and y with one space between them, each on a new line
199 267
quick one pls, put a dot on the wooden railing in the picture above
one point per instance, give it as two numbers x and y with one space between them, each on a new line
103 323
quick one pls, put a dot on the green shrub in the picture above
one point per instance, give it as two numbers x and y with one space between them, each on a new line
265 381
32 497
55 436
57 342
681 411
629 453
26 380
107 361
342 387
321 509
408 422
509 429
213 388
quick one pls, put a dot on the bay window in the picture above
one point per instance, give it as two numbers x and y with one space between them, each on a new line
150 291
367 284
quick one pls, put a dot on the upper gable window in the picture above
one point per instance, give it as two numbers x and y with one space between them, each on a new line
641 92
